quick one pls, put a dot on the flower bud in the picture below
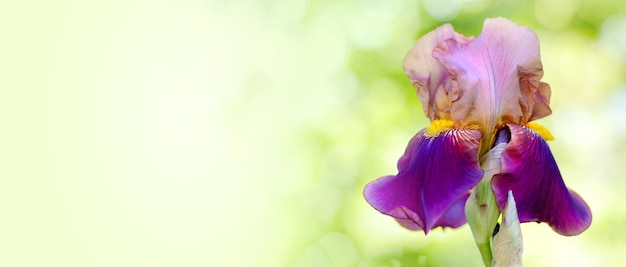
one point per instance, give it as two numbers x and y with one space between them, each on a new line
507 243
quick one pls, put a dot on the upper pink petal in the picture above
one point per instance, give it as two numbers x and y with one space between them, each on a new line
495 77
542 102
428 76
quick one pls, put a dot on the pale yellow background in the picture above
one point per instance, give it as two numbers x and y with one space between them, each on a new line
241 133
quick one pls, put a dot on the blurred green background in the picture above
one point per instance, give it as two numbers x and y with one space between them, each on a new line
241 133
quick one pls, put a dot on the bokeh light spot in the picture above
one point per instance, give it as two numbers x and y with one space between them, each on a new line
443 10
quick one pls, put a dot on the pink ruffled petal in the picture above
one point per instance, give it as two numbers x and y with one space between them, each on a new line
495 76
542 102
433 180
429 77
530 171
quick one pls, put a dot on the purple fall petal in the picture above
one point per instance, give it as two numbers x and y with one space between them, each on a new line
433 180
530 171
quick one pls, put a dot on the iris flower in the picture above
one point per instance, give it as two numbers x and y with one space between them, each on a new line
480 94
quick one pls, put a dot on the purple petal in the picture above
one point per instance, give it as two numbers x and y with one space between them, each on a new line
495 76
454 216
432 184
530 171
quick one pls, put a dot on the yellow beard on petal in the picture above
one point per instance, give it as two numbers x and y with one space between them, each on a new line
438 126
540 130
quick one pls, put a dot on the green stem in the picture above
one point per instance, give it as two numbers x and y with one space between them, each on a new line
485 253
481 209
482 215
